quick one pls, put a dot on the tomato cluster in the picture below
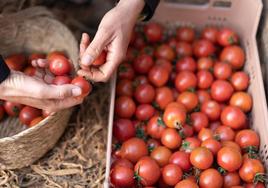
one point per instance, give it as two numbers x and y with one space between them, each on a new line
58 65
181 112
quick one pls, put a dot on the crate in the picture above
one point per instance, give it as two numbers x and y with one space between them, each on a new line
243 17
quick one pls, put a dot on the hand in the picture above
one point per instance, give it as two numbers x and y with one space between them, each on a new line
113 35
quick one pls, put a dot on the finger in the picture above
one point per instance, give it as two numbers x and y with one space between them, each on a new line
85 40
62 91
34 63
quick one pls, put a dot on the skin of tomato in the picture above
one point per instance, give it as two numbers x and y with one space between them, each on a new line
210 178
163 97
148 170
153 32
185 80
183 49
222 71
221 90
172 42
174 117
124 87
12 109
246 138
203 48
199 120
153 143
229 159
100 60
186 131
225 133
231 144
253 185
121 176
144 93
144 112
30 71
204 79
212 109
83 84
139 80
124 107
203 96
188 99
177 105
234 55
190 143
161 155
143 64
186 64
240 80
231 179
210 33
171 138
154 128
186 184
204 134
182 159
242 100
233 117
213 145
131 54
164 64
61 80
158 76
28 114
139 41
16 61
214 125
205 63
126 71
123 129
227 37
59 65
186 34
249 169
166 52
133 149
201 158
35 121
171 174
122 162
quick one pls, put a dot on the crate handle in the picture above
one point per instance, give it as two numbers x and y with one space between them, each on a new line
220 3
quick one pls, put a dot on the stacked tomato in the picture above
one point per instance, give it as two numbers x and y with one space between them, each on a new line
181 112
58 66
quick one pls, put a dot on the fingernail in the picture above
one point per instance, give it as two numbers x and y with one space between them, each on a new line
76 92
87 60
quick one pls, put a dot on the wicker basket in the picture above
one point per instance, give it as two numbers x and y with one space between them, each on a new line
33 30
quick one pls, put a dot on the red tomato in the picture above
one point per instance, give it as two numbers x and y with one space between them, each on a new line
225 133
46 113
35 121
186 131
229 159
221 90
131 54
172 42
83 84
100 60
122 177
145 93
183 49
186 184
205 63
227 37
233 117
166 52
133 149
2 112
124 87
231 144
177 105
148 171
171 174
161 155
254 185
212 109
30 71
59 65
16 62
203 96
27 114
204 134
163 97
210 178
139 80
204 79
139 41
246 138
213 145
203 48
240 81
185 80
241 100
143 64
222 70
125 71
190 143
234 55
158 76
231 179
144 112
153 32
36 56
182 159
251 170
123 129
201 158
199 120
123 163
174 117
188 99
155 127
12 109
171 138
185 34
124 107
186 64
61 80
214 125
152 144
210 33
165 64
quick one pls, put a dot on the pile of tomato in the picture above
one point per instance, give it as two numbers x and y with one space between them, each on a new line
181 112
58 65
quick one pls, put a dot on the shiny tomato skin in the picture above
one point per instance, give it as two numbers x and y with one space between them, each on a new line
153 32
231 179
229 159
222 71
124 87
139 80
246 138
186 64
185 80
165 64
188 99
123 129
225 133
201 158
214 125
205 63
12 109
152 144
204 79
182 159
83 84
186 34
139 41
163 97
233 117
61 80
144 93
171 174
227 37
203 96
183 49
100 60
143 64
210 178
199 120
121 176
16 62
171 138
133 149
203 48
249 169
186 184
190 143
155 127
161 155
240 81
122 162
204 134
35 121
234 55
158 76
27 114
166 52
30 71
125 107
59 65
125 71
231 144
213 145
221 90
177 105
144 112
186 131
212 109
148 170
210 33
174 117
242 100
253 185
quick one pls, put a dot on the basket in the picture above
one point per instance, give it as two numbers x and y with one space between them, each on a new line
28 31
243 17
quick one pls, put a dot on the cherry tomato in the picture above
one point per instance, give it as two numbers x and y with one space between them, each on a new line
124 107
229 159
123 163
190 143
125 71
35 121
204 134
133 149
144 112
100 60
182 159
139 41
186 184
152 144
172 42
250 170
233 117
171 138
59 65
27 114
12 109
186 64
188 99
30 71
16 62
246 138
143 64
231 179
231 144
2 112
210 178
221 90
124 87
212 109
185 34
234 55
158 76
227 37
163 97
153 32
165 64
254 185
148 171
83 84
204 79
213 145
205 63
123 129
177 105
166 52
131 54
172 174
199 120
241 100
185 80
145 93
174 117
46 113
214 125
139 80
240 80
61 80
161 155
186 131
203 96
122 176
222 71
203 48
183 49
155 127
36 56
225 133
201 158
210 33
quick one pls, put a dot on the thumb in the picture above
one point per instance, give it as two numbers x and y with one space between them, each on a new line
63 91
95 48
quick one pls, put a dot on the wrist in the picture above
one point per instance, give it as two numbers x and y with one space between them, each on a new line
134 7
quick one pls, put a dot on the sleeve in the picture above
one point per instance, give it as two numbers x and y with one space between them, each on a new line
149 9
4 70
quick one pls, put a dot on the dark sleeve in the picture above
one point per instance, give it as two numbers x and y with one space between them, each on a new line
4 70
149 9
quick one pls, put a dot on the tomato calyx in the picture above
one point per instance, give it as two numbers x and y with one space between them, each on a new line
141 134
196 173
251 150
231 40
217 137
137 177
182 134
191 89
160 122
185 145
117 146
155 105
188 119
260 177
197 108
151 148
16 110
222 171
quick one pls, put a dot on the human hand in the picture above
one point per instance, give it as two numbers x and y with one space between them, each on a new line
113 35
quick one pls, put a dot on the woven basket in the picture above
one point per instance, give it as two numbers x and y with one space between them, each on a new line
28 31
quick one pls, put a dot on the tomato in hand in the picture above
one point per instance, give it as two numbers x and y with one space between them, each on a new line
12 109
190 143
204 79
205 63
122 176
144 112
61 80
125 71
241 100
123 129
203 48
210 33
246 138
124 107
234 55
145 93
30 71
188 99
199 120
201 158
171 138
251 170
186 64
222 71
185 34
210 178
240 81
227 37
165 52
27 114
153 32
143 64
161 155
83 84
185 80
100 60
186 184
213 145
16 62
59 65
163 97
221 90
231 179
174 117
233 117
229 159
155 127
183 49
171 174
212 109
182 159
158 76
